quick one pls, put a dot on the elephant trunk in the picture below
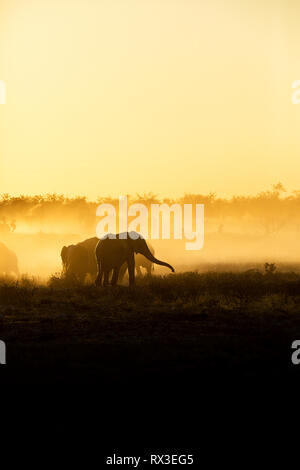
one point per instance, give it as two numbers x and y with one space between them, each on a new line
147 253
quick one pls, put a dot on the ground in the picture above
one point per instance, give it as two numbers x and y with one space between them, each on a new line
176 328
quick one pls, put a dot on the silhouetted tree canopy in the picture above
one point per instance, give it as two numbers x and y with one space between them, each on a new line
268 211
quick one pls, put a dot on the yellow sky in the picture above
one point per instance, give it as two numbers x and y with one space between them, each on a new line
108 97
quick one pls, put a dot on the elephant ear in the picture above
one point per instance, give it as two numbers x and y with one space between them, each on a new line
131 244
63 254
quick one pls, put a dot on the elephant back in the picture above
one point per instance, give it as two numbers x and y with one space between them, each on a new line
90 246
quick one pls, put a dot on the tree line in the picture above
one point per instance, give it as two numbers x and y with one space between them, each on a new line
269 211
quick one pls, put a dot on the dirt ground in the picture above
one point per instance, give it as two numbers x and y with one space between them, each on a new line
178 328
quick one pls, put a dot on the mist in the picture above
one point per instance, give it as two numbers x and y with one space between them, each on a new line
239 231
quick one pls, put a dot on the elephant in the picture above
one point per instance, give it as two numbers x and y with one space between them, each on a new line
8 261
140 262
79 260
89 245
112 251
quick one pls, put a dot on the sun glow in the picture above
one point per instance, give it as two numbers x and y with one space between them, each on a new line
117 97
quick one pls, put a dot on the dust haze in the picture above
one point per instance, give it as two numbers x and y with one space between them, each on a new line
243 230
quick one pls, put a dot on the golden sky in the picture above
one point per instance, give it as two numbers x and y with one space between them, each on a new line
108 97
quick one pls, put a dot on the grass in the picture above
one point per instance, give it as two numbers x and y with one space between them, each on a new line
240 323
182 288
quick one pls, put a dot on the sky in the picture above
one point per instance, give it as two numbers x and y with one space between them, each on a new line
111 97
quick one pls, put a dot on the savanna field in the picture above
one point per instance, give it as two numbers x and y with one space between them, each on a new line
224 313
176 122
174 327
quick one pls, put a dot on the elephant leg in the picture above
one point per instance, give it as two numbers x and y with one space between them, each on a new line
131 270
149 269
122 272
138 270
115 276
106 276
98 280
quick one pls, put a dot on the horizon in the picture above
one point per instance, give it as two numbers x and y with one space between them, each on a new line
275 188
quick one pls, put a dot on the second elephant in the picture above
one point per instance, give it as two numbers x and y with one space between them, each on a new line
79 260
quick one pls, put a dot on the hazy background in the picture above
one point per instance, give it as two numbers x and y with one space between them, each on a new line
109 97
176 100
240 232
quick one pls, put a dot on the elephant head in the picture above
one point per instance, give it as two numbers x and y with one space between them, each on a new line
138 244
64 257
79 260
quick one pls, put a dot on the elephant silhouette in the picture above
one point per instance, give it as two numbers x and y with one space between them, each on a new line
140 262
79 260
112 253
